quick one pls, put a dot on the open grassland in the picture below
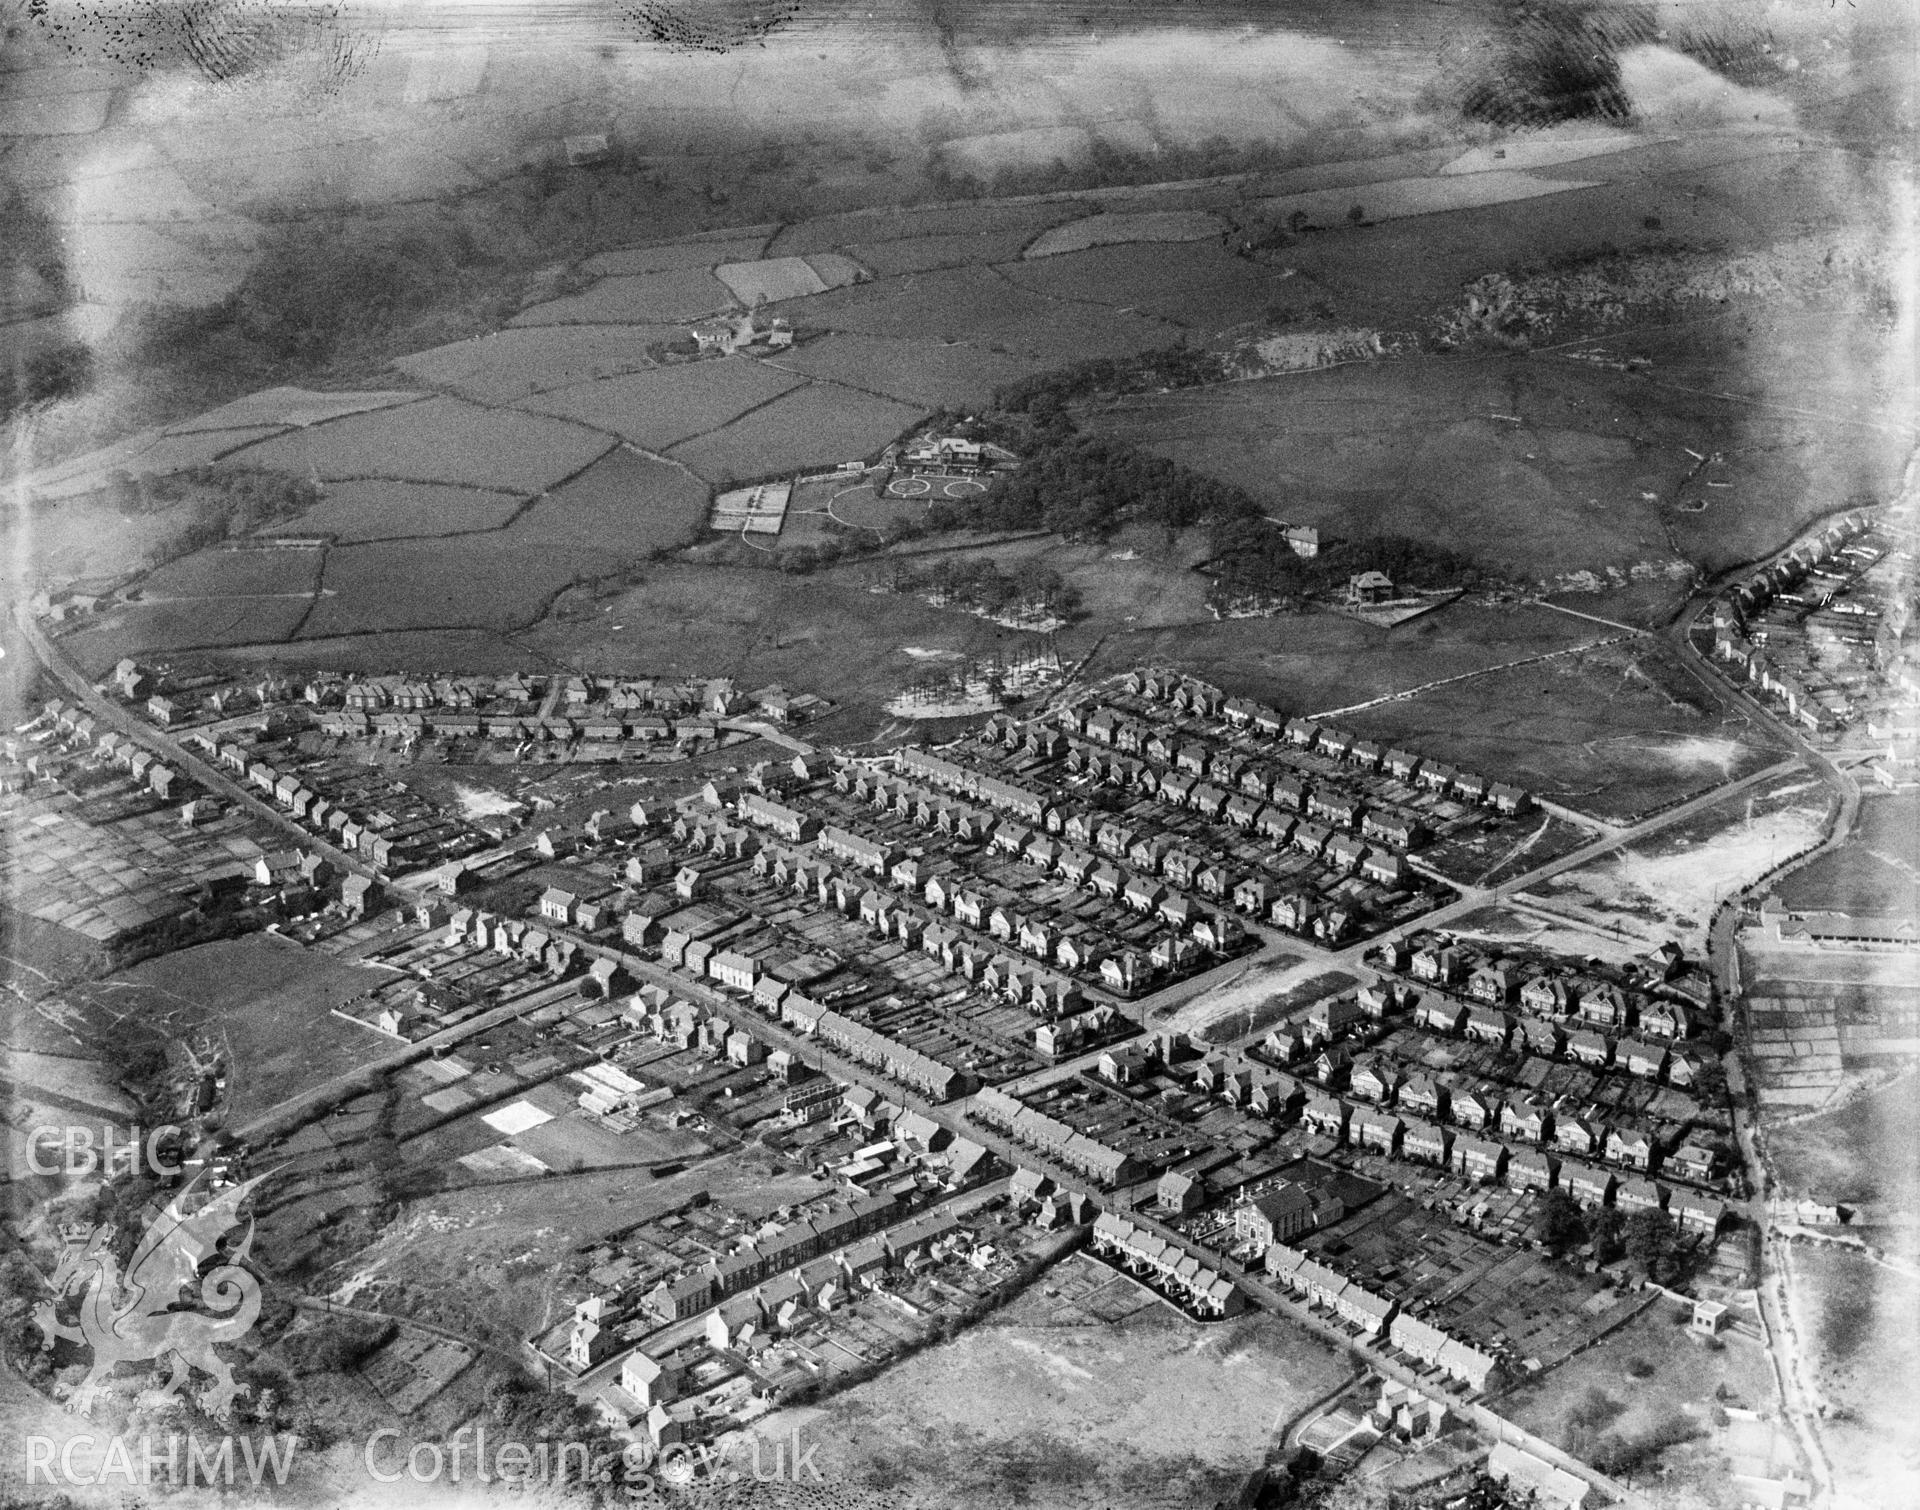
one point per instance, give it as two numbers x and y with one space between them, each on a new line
513 364
1858 1319
150 452
1030 1409
1667 887
1863 1152
922 373
624 505
187 623
1540 470
1198 285
1315 662
1875 873
643 299
1650 1382
488 581
978 306
1613 731
264 1001
92 536
225 573
354 512
1661 195
828 634
819 425
440 440
667 405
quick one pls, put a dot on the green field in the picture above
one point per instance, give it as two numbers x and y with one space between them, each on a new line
819 425
624 505
507 365
921 373
486 581
1613 731
643 299
224 573
978 306
667 405
441 440
1197 284
264 1002
353 512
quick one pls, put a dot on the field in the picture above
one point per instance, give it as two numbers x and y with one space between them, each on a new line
228 573
976 305
188 623
1198 285
623 505
1539 471
491 581
1857 1319
1648 1379
1668 886
290 406
87 537
376 509
662 407
819 425
1046 1405
923 254
508 365
1315 662
1874 872
1112 230
265 1002
673 256
642 299
1862 1152
831 231
150 453
1613 730
774 279
920 373
825 633
1399 198
440 440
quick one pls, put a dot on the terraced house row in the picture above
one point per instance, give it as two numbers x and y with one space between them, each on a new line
1169 1267
896 915
1057 1140
690 1294
1202 756
1070 943
937 1081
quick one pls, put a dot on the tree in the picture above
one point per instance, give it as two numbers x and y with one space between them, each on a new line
1648 1237
1356 215
1604 1232
1557 1223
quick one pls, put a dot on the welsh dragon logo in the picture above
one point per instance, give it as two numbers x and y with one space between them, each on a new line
131 1318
